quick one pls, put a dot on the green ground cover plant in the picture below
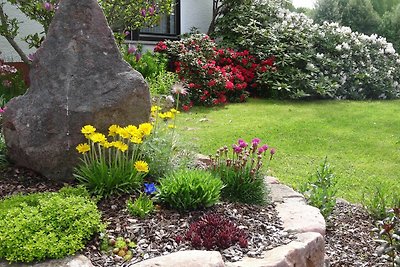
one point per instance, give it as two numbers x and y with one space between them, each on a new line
46 225
361 139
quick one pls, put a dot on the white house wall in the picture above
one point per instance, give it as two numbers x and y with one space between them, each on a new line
27 27
196 13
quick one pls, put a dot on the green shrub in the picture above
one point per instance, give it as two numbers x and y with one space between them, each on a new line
190 189
320 190
241 171
161 83
46 225
148 64
312 61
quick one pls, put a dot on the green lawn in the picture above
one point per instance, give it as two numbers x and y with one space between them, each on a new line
361 139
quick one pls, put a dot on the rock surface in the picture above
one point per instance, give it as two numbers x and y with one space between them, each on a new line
77 77
192 258
73 261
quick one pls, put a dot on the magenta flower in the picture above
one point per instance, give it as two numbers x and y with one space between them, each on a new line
127 33
138 56
242 143
255 141
237 149
143 12
272 151
48 6
131 49
2 110
151 11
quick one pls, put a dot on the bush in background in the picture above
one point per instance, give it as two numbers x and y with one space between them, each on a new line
312 61
213 76
35 227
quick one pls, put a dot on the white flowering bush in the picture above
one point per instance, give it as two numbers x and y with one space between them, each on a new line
314 61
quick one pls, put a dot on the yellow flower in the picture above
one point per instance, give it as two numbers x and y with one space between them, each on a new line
166 115
132 130
136 140
123 133
146 128
174 111
141 166
98 138
155 108
88 129
113 129
83 148
107 144
171 126
120 145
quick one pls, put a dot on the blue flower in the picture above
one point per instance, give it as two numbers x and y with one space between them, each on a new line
149 188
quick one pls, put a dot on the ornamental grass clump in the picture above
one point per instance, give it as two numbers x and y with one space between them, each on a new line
241 171
113 163
189 189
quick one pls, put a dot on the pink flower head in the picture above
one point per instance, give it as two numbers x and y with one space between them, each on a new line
127 33
242 143
48 6
237 149
31 57
151 10
2 110
138 56
179 89
255 141
272 151
143 12
131 49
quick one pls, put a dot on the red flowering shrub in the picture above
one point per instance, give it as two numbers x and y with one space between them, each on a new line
214 231
213 76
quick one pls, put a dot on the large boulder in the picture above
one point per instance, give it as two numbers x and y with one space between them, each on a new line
77 77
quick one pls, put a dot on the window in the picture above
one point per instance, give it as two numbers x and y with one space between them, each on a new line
169 28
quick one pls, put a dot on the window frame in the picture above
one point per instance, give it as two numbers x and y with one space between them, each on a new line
150 36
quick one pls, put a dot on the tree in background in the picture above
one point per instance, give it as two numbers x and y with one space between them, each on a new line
328 10
383 6
390 27
360 16
121 15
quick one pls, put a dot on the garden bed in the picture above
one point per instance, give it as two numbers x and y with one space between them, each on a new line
348 238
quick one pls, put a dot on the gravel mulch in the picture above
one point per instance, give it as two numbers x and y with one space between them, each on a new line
348 239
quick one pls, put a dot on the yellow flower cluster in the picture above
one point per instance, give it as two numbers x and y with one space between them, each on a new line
156 111
132 133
